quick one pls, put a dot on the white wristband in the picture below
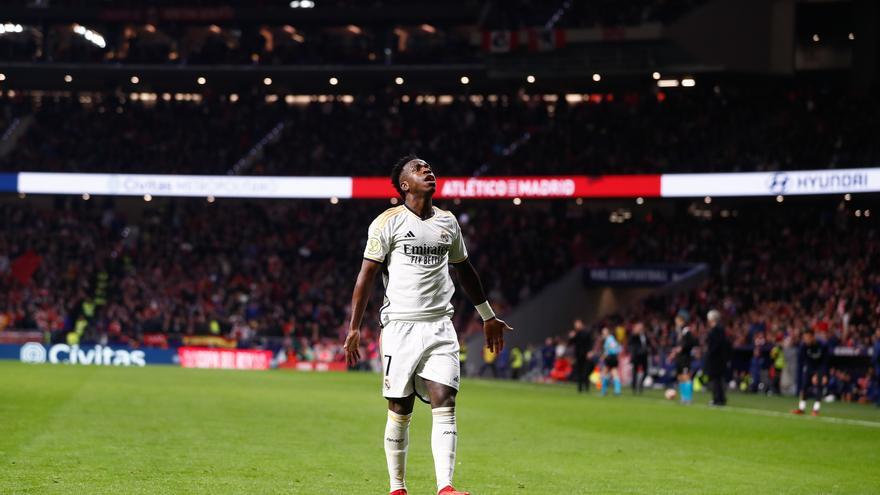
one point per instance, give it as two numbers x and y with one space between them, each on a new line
485 311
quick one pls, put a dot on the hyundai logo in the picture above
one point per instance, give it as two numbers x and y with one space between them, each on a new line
778 183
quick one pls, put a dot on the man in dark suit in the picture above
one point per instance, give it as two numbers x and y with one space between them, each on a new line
582 341
717 356
638 352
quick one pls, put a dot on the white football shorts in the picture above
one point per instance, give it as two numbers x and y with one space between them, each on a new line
415 351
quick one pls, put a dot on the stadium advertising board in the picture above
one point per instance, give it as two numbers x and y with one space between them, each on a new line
771 183
97 355
802 182
575 186
230 359
184 185
640 276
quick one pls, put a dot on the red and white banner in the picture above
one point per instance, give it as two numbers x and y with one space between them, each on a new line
227 359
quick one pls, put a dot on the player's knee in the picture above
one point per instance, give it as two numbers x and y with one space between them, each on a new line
402 406
444 398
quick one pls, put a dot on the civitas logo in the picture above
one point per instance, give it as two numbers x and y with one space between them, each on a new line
98 355
32 353
778 183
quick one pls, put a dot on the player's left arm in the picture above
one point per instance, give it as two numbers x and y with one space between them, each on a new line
470 283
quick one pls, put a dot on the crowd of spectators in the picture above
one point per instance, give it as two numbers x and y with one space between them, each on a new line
771 276
696 130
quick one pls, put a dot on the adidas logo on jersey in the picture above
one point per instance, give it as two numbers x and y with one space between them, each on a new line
410 235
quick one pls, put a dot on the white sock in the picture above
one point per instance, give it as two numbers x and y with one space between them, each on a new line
802 405
444 436
816 406
396 444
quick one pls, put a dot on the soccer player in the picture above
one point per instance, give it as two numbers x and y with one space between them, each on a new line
812 366
411 245
610 350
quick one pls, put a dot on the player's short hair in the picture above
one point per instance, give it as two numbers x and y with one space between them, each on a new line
809 331
398 169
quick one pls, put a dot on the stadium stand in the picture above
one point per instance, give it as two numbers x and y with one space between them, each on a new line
704 129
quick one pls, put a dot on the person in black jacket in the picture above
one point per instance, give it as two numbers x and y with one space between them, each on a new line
639 348
581 340
717 356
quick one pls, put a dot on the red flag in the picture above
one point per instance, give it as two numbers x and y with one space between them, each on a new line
24 266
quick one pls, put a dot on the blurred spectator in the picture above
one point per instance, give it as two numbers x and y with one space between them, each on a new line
489 362
561 369
516 363
639 348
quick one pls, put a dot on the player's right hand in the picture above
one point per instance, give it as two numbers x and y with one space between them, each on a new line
352 347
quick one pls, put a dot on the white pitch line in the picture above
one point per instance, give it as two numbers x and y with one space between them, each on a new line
777 414
749 410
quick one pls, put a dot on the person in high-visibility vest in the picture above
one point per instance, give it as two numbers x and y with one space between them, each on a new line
489 358
516 363
79 328
462 357
778 358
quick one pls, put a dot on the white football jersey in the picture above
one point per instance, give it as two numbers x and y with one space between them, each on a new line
415 254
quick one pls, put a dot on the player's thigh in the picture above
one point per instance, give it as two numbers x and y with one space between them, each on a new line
401 349
440 363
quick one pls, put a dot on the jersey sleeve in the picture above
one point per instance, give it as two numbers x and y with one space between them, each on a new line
378 241
457 251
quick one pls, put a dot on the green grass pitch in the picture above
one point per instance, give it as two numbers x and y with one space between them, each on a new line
68 429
